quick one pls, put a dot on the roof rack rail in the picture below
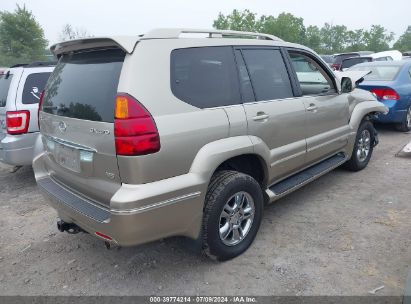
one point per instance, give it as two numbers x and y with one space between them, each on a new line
174 33
41 64
19 65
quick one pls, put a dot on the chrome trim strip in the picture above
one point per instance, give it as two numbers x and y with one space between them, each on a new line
69 144
157 205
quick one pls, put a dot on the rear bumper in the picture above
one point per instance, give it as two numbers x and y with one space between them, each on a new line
17 150
137 214
395 114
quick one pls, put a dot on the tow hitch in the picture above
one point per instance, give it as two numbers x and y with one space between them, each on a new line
69 227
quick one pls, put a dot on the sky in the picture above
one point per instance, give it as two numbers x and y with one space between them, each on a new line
128 17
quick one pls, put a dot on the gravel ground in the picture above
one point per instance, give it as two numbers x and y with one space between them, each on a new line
344 234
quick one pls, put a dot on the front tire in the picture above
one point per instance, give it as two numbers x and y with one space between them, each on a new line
405 125
363 147
232 214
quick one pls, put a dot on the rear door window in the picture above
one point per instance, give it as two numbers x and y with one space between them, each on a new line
268 74
33 87
84 85
205 76
5 81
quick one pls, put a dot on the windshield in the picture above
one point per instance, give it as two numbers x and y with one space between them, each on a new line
379 73
5 81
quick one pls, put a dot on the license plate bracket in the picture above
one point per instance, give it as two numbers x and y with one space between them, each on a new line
67 157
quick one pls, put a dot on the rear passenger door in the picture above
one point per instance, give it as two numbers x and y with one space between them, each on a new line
327 126
273 114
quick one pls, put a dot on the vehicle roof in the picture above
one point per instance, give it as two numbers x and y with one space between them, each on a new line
128 43
386 63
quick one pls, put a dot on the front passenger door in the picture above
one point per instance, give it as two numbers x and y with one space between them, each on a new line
327 111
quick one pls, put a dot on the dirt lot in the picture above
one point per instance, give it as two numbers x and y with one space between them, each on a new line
344 234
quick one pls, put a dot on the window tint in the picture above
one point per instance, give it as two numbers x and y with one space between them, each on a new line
340 58
84 85
347 63
205 77
312 77
245 82
33 87
268 74
5 81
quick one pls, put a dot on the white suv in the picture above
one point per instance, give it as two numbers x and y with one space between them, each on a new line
20 90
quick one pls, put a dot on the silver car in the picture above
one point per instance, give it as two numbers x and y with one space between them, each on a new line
158 135
20 90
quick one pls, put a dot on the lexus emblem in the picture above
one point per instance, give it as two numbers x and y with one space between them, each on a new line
62 126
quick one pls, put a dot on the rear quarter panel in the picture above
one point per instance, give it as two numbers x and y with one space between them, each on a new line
183 129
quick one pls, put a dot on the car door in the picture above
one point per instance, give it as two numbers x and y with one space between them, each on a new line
274 116
327 111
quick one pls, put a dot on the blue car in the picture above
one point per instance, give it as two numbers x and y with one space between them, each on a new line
390 82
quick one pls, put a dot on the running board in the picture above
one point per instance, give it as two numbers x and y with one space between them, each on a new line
304 177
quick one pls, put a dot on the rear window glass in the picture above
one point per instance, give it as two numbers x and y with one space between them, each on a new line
33 87
340 58
383 73
347 63
5 81
84 85
205 77
268 74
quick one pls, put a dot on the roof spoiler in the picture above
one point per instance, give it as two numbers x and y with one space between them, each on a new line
127 44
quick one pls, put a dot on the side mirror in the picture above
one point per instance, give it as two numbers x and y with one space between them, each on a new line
346 85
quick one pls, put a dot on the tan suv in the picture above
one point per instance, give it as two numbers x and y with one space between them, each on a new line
172 133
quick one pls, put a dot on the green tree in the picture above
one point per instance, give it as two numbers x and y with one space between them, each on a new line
313 38
21 37
285 26
404 42
334 38
355 41
237 21
378 39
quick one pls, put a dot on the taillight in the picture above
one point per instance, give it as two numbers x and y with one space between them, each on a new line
17 122
386 94
335 66
38 110
134 128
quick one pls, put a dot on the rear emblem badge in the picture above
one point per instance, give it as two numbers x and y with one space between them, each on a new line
99 132
62 126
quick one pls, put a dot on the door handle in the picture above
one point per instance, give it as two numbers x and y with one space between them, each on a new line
312 108
261 116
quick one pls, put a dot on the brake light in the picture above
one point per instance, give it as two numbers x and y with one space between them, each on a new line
134 128
17 122
38 110
386 94
336 66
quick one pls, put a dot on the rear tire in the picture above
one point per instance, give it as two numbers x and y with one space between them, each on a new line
232 214
363 147
405 125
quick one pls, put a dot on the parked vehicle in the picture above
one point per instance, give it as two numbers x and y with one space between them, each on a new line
338 58
386 56
391 83
20 89
329 59
349 62
153 136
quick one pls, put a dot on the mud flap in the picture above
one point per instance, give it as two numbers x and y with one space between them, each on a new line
376 138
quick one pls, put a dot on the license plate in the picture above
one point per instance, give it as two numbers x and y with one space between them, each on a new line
67 157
